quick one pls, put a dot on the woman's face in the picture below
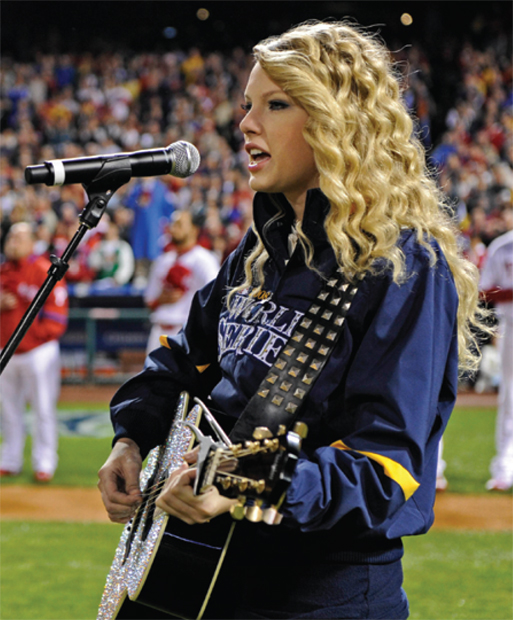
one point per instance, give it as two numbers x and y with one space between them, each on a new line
280 159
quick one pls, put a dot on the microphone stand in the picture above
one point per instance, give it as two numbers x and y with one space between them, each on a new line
113 174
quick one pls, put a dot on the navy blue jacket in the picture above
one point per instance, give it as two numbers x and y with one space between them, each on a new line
377 411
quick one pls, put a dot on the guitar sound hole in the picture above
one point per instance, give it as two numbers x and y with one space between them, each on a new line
130 540
148 522
147 494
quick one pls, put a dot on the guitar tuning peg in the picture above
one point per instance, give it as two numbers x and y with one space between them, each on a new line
252 446
301 429
225 482
271 516
258 486
254 513
237 511
262 432
235 449
272 444
242 485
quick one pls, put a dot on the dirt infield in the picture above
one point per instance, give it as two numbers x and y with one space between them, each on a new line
86 393
452 511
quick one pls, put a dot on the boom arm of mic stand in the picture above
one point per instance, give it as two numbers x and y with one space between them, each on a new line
114 174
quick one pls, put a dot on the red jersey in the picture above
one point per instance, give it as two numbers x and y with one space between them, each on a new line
23 279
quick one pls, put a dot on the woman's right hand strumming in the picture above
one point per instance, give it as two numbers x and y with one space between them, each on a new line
119 481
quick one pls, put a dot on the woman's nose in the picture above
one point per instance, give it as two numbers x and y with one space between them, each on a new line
249 124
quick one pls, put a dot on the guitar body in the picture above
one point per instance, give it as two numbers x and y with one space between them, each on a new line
185 565
147 549
163 564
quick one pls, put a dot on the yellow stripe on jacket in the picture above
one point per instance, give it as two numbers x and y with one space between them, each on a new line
165 343
392 469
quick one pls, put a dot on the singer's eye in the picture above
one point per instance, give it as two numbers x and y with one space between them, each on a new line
246 106
278 105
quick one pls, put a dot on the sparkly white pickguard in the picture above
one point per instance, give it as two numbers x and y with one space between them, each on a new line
128 577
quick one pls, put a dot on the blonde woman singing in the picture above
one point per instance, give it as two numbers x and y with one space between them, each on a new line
341 186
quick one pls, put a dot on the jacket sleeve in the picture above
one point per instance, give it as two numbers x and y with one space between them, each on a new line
142 409
387 414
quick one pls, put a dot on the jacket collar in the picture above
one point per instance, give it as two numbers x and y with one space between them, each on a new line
274 233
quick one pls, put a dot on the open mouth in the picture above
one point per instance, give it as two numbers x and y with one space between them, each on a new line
256 155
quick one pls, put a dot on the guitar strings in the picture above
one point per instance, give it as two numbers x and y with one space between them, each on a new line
151 493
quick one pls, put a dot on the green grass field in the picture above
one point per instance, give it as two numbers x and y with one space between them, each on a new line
56 571
459 574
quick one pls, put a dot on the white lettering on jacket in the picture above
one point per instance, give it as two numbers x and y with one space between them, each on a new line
258 328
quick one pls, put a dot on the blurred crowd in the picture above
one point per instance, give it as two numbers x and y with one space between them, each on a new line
475 154
61 106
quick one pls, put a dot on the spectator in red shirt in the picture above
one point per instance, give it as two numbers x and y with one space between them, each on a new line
33 372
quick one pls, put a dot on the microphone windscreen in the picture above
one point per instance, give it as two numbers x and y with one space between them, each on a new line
186 159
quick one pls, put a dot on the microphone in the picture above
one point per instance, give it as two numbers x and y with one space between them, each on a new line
180 159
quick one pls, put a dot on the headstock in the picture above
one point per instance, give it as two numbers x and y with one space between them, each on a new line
257 472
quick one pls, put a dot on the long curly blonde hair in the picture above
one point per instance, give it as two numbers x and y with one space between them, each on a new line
371 165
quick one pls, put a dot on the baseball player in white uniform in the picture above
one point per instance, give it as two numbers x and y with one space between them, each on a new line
33 372
497 286
175 276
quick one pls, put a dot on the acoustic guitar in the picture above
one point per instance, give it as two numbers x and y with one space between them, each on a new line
156 549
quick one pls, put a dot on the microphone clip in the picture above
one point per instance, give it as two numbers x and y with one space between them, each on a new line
113 174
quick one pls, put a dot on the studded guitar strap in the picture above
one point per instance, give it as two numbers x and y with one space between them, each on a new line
279 397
